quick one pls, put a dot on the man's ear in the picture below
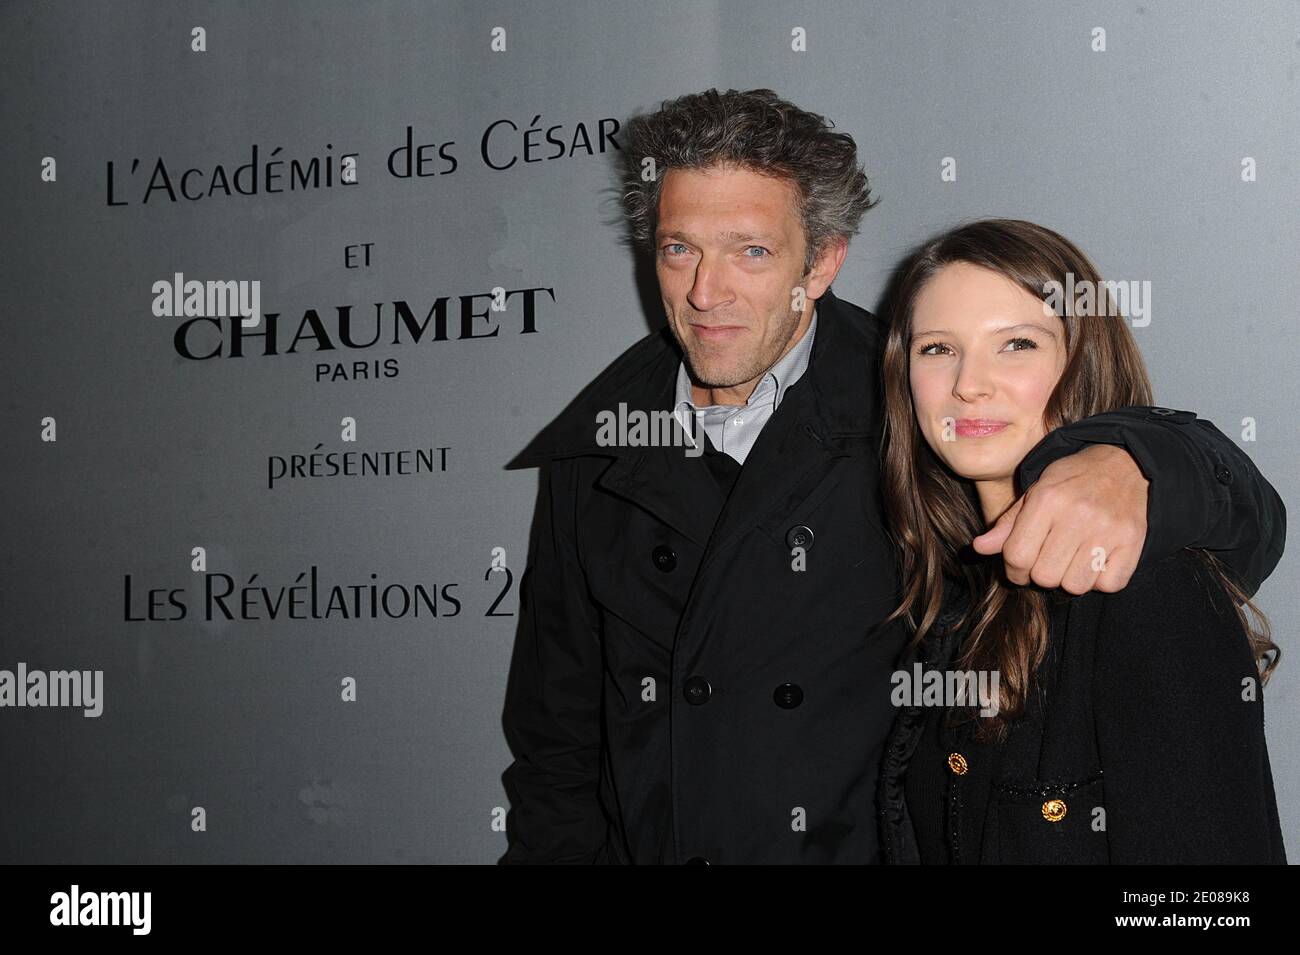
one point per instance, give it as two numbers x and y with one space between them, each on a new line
826 266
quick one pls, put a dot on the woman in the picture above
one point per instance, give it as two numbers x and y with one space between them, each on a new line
1120 727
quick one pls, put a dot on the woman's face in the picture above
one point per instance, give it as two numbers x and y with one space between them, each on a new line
983 359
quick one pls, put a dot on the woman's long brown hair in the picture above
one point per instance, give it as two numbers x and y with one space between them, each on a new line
934 514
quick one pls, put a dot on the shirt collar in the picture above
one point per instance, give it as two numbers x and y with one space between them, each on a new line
781 375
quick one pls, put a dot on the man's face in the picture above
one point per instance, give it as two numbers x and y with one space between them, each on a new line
729 256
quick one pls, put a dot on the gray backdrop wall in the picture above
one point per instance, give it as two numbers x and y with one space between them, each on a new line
207 531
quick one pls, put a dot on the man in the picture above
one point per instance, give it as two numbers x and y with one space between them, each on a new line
700 674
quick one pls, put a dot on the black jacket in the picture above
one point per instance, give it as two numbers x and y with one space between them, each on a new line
678 691
1142 741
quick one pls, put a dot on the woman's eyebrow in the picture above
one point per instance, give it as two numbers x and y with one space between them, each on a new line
996 331
1035 325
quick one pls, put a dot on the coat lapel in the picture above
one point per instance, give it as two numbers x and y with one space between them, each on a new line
789 459
677 489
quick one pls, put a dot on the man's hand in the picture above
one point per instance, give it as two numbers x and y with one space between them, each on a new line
1081 526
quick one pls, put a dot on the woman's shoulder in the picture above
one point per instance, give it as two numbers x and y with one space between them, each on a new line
1175 613
1169 584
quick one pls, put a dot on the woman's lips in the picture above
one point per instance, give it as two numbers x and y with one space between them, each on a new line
978 427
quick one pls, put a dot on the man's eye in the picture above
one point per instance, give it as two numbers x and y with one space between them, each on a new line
758 248
673 245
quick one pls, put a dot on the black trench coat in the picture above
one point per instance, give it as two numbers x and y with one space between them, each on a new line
678 692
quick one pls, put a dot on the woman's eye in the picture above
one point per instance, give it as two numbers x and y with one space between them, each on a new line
925 349
1027 342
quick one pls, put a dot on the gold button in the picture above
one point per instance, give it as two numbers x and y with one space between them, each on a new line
957 763
1054 810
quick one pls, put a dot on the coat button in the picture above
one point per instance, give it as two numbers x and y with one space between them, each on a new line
957 763
799 536
664 557
788 696
697 860
1223 474
1054 810
697 690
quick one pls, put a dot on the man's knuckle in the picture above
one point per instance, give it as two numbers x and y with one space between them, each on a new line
1043 495
1016 555
1043 577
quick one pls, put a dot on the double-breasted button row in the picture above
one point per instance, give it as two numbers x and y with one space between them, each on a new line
697 690
665 558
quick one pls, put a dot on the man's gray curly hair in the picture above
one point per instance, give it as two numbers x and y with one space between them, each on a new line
755 130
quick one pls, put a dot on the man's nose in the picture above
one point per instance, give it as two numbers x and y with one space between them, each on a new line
709 289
